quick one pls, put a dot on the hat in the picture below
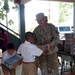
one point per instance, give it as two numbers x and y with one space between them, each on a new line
45 17
39 16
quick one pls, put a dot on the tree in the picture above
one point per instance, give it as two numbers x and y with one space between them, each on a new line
4 10
64 11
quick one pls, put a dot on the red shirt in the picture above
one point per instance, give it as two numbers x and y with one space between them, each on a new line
5 41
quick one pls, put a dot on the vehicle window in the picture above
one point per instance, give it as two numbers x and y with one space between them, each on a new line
64 29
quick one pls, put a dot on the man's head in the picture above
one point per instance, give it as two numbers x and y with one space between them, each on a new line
39 16
41 19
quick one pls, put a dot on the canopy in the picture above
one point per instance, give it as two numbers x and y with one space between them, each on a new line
25 1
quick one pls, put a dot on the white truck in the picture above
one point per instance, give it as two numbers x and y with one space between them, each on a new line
63 29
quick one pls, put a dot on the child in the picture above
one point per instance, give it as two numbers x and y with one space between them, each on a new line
28 51
7 54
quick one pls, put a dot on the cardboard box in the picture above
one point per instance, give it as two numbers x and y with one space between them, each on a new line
14 60
68 42
73 47
69 45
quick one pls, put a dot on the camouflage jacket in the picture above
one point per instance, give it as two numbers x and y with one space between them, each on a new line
47 34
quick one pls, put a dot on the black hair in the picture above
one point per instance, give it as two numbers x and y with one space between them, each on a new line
10 46
29 35
2 30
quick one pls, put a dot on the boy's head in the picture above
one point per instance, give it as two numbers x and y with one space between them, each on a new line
29 36
10 48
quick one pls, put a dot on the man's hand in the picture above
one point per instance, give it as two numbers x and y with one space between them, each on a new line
49 46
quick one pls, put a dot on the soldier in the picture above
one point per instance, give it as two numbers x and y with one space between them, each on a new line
47 34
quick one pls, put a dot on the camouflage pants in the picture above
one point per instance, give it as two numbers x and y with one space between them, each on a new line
48 64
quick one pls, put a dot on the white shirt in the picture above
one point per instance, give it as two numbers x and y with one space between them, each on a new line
29 51
6 55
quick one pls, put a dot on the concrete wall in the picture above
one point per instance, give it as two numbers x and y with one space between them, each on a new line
12 39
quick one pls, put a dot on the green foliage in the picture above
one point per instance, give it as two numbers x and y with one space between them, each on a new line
15 7
2 15
11 22
5 8
64 11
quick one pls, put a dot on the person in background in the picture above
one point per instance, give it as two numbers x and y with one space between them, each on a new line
4 40
6 55
29 51
47 34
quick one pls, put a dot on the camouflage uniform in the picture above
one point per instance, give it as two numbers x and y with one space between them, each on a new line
45 35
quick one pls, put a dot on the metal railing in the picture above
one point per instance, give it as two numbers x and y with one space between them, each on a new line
10 30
